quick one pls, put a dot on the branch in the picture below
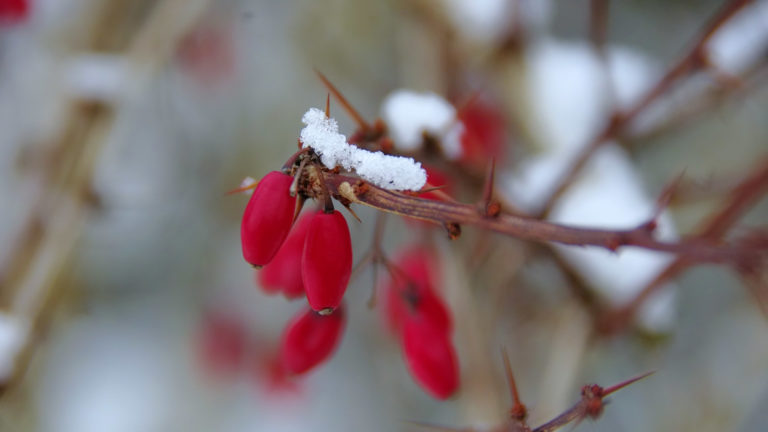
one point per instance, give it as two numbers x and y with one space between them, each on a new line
452 214
694 60
591 404
742 198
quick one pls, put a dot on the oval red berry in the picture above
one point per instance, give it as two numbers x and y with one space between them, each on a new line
310 339
283 274
267 218
430 357
411 291
327 260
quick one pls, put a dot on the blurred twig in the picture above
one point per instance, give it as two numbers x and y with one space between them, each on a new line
694 60
46 242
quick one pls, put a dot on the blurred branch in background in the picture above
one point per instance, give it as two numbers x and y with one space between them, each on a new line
144 34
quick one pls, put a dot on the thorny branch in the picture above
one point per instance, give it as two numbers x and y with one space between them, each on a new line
452 215
694 60
741 199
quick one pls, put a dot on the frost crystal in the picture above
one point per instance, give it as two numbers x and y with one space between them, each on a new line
385 171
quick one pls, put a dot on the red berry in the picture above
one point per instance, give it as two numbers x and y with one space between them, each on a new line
411 291
13 11
267 219
430 357
222 344
284 271
327 260
310 339
484 134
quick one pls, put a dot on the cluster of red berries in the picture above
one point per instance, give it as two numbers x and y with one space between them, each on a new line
312 257
420 320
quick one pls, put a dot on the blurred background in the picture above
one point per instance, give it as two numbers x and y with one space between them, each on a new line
125 304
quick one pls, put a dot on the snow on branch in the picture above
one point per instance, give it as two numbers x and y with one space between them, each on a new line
385 171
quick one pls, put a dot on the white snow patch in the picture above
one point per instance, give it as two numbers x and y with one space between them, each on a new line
385 171
100 77
742 40
568 89
409 114
567 94
487 20
13 334
610 195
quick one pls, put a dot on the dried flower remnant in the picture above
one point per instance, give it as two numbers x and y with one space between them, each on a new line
267 218
310 339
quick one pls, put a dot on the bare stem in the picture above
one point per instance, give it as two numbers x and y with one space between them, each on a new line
451 213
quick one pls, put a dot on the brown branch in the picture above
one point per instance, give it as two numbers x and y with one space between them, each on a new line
742 198
591 404
598 23
455 214
691 62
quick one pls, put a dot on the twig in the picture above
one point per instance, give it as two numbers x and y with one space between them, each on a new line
455 214
692 61
741 199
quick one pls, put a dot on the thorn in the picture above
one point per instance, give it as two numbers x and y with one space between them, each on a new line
372 299
621 385
428 189
245 186
665 197
294 189
299 205
518 410
490 208
352 212
344 102
328 105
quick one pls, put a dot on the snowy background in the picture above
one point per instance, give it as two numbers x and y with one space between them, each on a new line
124 122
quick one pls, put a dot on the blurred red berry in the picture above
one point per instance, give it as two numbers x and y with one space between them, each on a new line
411 291
13 11
309 339
272 377
484 134
267 219
207 54
327 260
430 357
222 344
284 271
